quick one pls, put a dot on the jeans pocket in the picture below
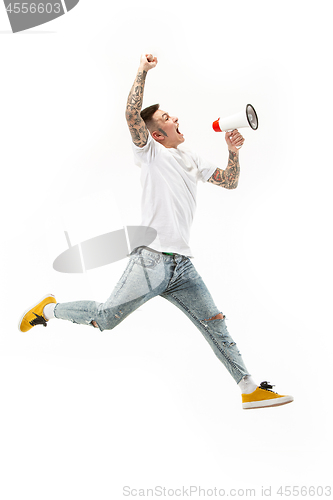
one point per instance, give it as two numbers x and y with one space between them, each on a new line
149 261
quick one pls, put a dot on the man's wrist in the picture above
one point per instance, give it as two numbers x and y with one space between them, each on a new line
234 152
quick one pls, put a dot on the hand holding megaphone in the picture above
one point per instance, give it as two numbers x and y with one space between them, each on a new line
234 140
245 118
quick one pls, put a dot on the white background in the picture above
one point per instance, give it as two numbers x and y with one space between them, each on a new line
84 414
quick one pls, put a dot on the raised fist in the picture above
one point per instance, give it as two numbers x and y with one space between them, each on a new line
148 61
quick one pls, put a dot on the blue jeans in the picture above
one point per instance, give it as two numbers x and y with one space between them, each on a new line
173 277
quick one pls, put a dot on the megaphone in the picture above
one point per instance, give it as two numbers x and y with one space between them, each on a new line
245 118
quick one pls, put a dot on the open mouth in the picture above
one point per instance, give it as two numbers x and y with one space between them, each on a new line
177 130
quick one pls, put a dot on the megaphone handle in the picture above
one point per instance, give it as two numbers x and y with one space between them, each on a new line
231 130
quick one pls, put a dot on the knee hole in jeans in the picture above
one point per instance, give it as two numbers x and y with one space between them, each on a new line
218 316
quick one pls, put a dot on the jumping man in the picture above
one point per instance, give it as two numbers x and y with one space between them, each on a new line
169 177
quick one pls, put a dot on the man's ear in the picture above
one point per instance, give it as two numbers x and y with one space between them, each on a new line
157 136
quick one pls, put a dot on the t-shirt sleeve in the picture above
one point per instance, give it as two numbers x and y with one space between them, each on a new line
147 153
205 168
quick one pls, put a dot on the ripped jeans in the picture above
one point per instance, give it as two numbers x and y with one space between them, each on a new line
173 277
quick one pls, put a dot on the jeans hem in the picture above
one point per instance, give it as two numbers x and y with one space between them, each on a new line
54 310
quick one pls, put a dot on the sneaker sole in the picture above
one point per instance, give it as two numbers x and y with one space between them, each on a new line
268 403
41 300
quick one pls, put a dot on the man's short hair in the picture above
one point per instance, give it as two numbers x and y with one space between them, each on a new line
147 115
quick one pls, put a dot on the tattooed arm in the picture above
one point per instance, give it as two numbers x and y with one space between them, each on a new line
136 125
229 177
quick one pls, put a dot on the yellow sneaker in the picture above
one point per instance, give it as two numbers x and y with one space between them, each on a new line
263 397
35 316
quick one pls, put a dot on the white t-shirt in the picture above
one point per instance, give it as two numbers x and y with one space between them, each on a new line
169 179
